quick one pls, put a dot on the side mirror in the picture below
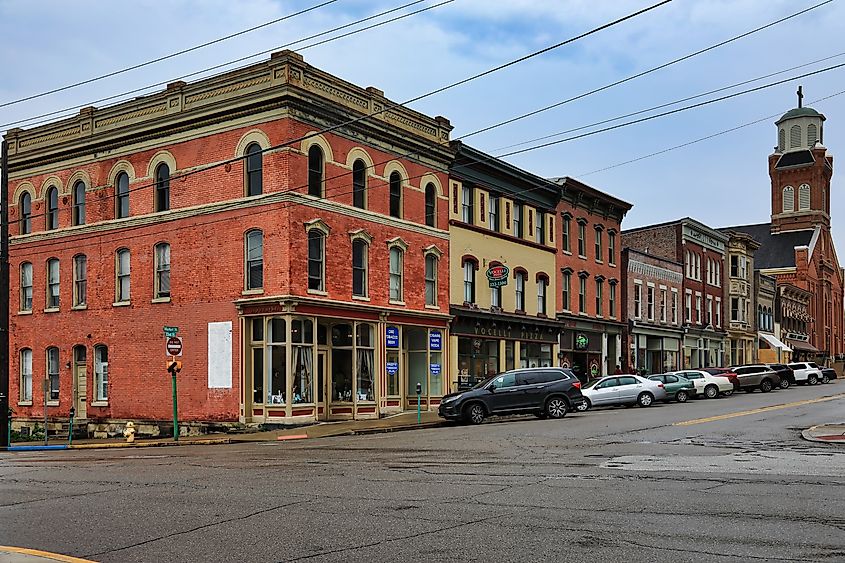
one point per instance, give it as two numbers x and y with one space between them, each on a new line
491 387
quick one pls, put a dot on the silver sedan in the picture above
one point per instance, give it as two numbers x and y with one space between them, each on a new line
622 390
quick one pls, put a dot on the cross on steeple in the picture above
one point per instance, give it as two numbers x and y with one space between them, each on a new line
800 96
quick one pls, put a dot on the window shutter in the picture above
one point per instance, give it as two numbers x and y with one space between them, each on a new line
795 136
812 135
804 197
788 199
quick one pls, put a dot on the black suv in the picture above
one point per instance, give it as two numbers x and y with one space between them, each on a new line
545 392
787 376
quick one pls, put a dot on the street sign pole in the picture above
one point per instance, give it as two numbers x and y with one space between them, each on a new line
175 406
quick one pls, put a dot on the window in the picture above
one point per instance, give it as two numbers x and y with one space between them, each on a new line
162 270
466 205
316 260
359 184
599 253
638 300
430 205
25 207
599 295
650 302
567 288
674 307
80 280
688 308
812 135
162 187
788 199
519 290
517 220
431 263
662 304
734 266
395 194
542 285
79 203
709 309
121 196
302 360
26 375
582 294
698 266
611 248
743 267
804 197
493 213
396 274
254 169
52 208
709 271
359 268
688 263
735 309
254 259
495 292
123 276
781 140
612 300
53 283
53 373
101 373
582 239
698 309
26 286
469 281
315 171
567 223
794 136
540 231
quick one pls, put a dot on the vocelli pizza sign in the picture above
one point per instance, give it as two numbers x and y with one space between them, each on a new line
497 276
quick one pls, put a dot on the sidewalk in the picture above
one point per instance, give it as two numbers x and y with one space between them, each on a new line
25 555
826 433
396 423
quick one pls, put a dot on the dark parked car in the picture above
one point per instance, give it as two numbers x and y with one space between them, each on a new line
546 392
828 374
756 376
787 376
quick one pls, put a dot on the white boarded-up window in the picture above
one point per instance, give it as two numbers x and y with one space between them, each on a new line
812 135
788 199
220 355
795 136
804 197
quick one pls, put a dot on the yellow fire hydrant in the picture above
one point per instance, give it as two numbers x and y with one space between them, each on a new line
129 432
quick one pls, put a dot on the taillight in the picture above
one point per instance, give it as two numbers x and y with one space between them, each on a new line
660 385
577 384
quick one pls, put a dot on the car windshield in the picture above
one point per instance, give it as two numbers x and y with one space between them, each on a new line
484 381
592 383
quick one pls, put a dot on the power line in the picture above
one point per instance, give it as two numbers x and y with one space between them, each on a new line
166 57
238 60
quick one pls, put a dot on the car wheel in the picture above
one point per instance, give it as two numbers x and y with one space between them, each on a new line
825 378
766 385
727 393
681 396
812 379
711 391
784 384
583 407
645 399
556 407
474 413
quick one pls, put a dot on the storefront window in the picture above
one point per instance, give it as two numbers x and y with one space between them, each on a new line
302 363
534 354
417 346
436 359
509 356
365 351
276 351
393 374
257 346
342 363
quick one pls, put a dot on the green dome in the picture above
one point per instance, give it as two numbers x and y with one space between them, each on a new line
799 112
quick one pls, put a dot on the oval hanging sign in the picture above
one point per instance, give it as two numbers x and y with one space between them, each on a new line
497 276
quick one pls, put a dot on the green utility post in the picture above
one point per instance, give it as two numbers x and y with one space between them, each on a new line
70 428
419 392
174 366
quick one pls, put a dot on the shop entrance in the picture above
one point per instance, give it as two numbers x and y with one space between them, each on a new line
80 382
322 386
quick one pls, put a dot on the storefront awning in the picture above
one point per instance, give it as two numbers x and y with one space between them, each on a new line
802 346
774 341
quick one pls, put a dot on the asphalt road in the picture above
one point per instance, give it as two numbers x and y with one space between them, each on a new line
669 483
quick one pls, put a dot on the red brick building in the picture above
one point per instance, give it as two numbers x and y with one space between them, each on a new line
307 272
590 300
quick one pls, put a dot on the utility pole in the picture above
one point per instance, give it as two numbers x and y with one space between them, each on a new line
4 296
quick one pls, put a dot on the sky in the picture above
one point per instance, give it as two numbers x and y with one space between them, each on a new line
720 181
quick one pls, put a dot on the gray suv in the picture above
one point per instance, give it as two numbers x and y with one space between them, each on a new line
757 376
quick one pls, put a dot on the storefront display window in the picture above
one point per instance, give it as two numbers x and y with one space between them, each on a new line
257 346
302 337
416 343
509 355
277 352
365 350
534 354
342 363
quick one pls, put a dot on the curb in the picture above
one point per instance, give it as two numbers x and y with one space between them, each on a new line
807 435
202 442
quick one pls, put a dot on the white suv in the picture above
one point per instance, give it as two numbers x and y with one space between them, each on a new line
807 372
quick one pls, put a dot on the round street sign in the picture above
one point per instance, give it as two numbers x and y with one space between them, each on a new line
174 346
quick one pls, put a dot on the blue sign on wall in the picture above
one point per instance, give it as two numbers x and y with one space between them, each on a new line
435 369
435 340
392 368
392 337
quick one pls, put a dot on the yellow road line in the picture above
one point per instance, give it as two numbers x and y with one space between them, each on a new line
757 411
44 554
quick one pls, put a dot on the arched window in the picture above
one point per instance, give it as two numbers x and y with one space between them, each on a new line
761 317
26 286
795 136
162 187
781 140
812 135
254 252
26 375
397 259
162 271
254 167
122 283
395 194
788 199
121 195
53 373
359 184
315 171
431 262
431 205
804 197
80 280
52 208
25 206
79 203
53 283
359 267
316 260
101 373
